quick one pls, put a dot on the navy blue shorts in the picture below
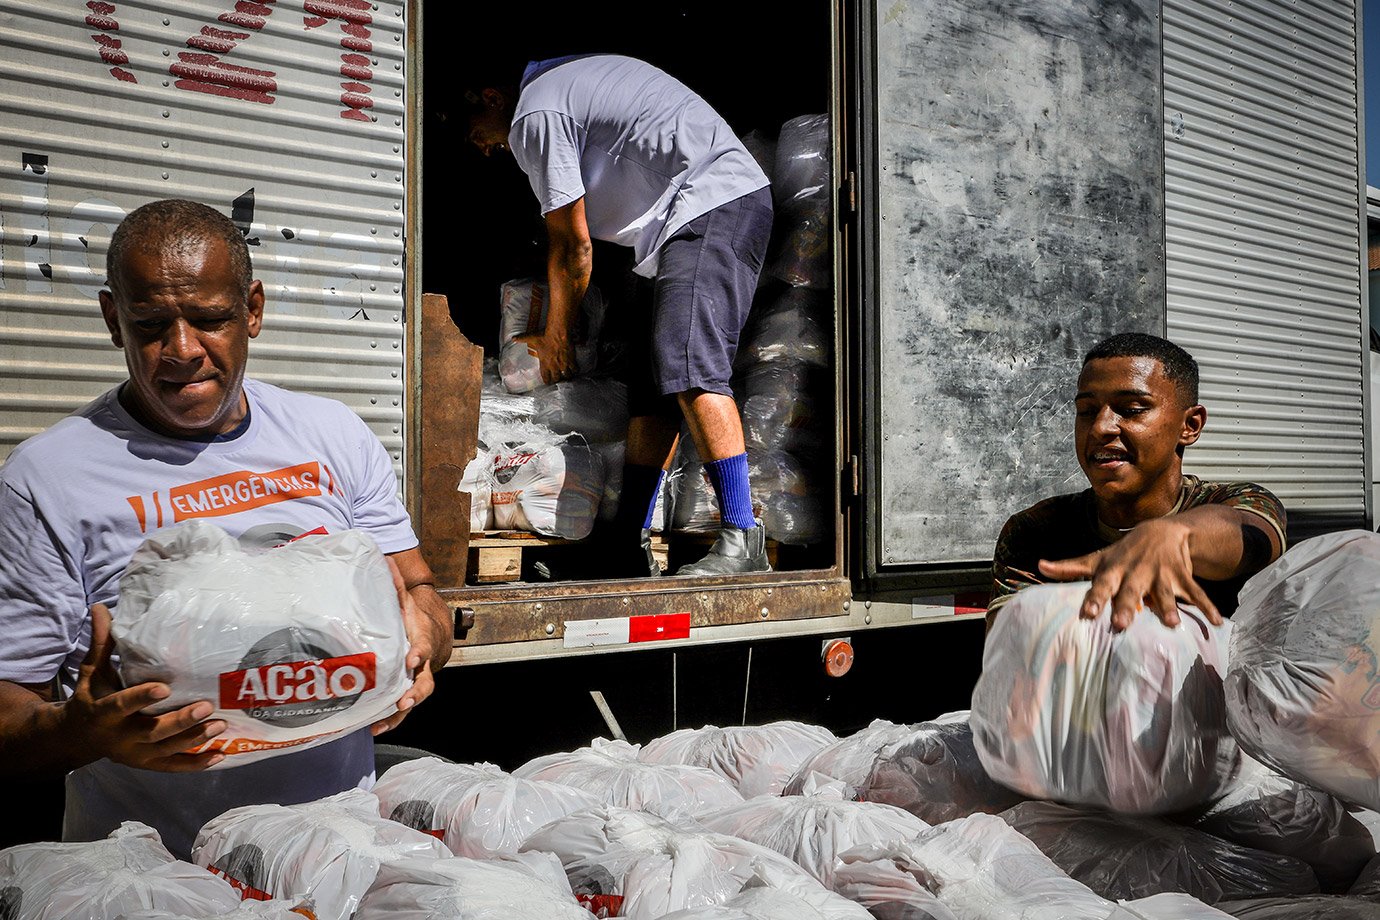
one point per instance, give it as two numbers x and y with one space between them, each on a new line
704 285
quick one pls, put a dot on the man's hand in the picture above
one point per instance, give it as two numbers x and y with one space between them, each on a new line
1152 564
430 638
555 354
112 722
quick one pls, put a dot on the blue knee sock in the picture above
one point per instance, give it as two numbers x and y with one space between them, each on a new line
729 477
641 485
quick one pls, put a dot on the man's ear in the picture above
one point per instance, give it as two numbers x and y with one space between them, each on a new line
112 318
255 305
1195 417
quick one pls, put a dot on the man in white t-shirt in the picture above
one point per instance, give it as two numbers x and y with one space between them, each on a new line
186 436
618 150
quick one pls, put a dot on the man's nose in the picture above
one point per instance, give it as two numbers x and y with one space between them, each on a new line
182 344
1106 421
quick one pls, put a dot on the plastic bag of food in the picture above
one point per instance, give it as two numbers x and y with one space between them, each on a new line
1120 856
595 408
296 645
129 870
610 771
784 422
477 811
468 889
546 483
756 759
934 773
775 895
803 200
275 909
696 507
523 305
329 850
794 328
1134 721
477 480
812 830
1304 679
1273 813
1316 907
632 864
848 760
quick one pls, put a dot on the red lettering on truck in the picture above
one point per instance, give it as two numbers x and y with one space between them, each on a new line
354 18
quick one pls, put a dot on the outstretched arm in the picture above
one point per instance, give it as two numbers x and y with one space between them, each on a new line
1156 562
569 262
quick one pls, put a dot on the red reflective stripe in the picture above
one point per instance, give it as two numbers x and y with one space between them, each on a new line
659 626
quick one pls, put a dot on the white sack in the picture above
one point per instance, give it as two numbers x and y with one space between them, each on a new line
296 645
129 870
1120 856
1171 905
848 760
477 480
417 888
1273 813
813 830
632 864
801 190
795 328
1303 689
522 311
756 759
476 811
547 484
594 408
611 771
934 773
275 909
328 850
1134 722
1317 907
774 895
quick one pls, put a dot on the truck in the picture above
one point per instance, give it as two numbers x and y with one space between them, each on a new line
1008 184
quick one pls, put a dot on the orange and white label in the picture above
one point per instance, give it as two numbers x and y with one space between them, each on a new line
232 746
232 493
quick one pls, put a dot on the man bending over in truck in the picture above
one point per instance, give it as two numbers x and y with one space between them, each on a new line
1144 531
618 150
78 499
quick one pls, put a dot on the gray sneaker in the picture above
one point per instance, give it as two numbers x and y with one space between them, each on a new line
735 552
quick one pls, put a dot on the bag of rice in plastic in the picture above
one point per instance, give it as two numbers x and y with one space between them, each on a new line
610 771
295 645
848 760
1303 687
514 888
794 328
546 483
329 850
476 810
801 190
102 880
275 909
523 305
757 759
775 895
1134 722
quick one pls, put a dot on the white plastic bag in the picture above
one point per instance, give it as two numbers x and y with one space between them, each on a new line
102 880
522 312
757 759
812 830
774 895
477 811
1067 709
296 645
632 864
611 771
477 480
794 328
1273 813
546 484
328 850
848 760
467 889
801 190
934 773
275 909
1303 689
596 408
1121 856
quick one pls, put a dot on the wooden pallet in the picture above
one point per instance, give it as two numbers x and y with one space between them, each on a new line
496 555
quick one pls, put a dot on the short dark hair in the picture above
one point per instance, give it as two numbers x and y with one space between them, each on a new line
178 225
1178 364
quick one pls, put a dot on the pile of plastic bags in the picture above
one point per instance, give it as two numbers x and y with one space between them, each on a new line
756 759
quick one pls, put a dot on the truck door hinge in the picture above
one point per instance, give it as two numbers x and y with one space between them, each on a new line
848 194
852 485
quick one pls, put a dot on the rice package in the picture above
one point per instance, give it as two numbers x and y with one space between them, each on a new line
295 646
757 759
792 328
1273 813
128 871
848 760
812 830
477 811
774 895
1120 856
632 864
523 312
246 910
329 850
801 190
1303 689
610 771
1130 721
416 888
477 481
934 773
547 484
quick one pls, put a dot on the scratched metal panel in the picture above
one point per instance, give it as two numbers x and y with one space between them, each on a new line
288 115
1264 236
1019 198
